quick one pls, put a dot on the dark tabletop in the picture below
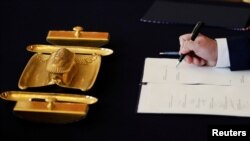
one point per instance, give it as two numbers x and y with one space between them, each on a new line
114 116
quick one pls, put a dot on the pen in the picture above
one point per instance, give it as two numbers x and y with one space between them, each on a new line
174 53
195 32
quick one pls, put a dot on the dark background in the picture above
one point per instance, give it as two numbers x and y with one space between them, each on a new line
117 87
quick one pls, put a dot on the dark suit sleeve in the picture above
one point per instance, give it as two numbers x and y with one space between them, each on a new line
239 53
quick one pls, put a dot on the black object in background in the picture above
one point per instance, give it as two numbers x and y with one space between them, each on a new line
167 12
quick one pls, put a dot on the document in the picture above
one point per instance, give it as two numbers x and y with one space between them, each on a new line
162 70
189 89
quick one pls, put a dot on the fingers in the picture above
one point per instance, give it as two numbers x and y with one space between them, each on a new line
193 49
188 59
203 62
187 46
195 60
198 61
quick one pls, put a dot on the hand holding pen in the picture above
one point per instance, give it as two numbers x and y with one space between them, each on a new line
194 34
198 49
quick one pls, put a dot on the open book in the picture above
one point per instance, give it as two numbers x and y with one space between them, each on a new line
189 89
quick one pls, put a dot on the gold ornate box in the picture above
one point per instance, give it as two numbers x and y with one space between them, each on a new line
73 61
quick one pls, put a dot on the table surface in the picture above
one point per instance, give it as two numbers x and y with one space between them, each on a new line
114 116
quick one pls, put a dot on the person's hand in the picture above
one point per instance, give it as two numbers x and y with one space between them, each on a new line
202 51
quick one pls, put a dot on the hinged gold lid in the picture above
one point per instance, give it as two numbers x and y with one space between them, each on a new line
78 37
49 107
66 66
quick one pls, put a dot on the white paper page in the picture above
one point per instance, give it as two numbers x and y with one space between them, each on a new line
194 99
162 70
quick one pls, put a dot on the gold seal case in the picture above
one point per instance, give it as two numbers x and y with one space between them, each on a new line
73 61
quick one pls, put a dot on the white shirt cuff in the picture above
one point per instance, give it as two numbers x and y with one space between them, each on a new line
223 54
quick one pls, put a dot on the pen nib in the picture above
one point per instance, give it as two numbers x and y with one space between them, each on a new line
178 64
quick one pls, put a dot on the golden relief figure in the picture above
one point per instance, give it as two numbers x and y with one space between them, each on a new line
63 68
